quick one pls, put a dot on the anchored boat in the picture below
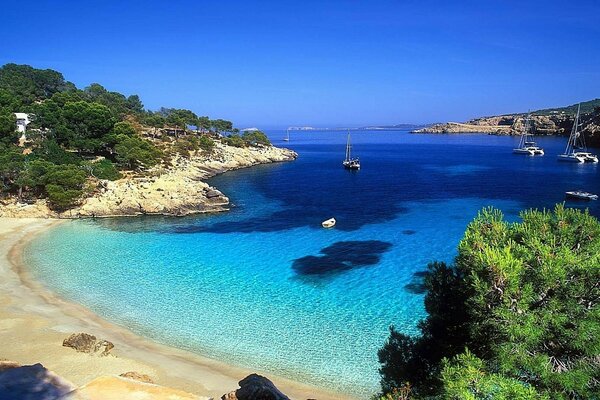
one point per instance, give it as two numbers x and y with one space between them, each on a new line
349 162
526 145
576 150
581 195
330 223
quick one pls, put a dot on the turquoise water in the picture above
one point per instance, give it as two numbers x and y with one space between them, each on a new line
265 287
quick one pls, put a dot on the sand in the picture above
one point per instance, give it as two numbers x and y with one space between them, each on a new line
34 322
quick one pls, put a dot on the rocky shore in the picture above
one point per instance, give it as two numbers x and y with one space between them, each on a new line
555 124
177 190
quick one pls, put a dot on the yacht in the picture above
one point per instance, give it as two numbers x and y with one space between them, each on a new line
580 194
349 162
526 146
576 150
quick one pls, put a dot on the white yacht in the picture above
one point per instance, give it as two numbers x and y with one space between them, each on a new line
349 162
287 135
576 150
526 146
580 194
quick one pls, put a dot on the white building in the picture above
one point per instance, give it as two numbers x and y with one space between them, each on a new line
22 122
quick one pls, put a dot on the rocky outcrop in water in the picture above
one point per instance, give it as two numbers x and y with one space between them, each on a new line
554 124
255 387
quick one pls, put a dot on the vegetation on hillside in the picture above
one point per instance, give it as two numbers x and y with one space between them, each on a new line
80 135
516 317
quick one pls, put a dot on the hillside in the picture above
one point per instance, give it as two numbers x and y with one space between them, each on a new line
91 143
555 121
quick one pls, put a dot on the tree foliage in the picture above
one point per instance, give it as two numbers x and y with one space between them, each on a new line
522 298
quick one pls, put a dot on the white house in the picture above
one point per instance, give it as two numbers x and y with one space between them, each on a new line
22 122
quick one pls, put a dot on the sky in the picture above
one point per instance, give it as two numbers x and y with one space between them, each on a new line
320 63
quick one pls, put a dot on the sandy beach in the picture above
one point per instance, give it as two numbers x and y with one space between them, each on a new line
35 322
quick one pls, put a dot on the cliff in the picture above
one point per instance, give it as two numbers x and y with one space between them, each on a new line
177 190
543 122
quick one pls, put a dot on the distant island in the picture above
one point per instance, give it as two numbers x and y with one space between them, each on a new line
551 121
67 152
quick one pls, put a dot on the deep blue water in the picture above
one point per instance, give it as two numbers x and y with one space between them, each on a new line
265 287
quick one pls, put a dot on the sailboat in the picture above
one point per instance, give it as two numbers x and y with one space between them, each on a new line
349 162
526 146
576 150
287 135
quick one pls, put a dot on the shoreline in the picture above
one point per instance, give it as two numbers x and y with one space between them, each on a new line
176 190
37 320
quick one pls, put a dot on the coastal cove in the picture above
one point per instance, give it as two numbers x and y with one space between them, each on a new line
263 287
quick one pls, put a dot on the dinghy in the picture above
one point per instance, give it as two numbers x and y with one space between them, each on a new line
328 223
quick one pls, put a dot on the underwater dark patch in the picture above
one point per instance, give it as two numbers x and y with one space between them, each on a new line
417 284
408 232
341 257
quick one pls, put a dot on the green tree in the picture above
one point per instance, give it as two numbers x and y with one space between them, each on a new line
206 143
136 153
530 294
256 138
466 378
64 186
8 127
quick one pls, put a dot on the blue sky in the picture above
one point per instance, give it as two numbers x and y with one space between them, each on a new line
345 63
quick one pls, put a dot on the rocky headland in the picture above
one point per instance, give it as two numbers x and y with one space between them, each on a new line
177 189
545 122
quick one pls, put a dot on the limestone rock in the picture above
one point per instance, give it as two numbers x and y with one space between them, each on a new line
136 376
32 382
86 343
255 387
113 387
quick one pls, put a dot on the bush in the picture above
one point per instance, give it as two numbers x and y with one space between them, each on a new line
64 185
206 144
186 145
135 153
104 169
256 138
523 298
234 140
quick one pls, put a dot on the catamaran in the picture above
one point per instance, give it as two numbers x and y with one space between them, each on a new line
576 150
349 162
526 146
287 135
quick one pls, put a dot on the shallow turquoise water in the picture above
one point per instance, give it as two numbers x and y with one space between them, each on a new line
265 287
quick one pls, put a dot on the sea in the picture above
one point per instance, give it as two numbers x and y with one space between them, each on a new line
265 287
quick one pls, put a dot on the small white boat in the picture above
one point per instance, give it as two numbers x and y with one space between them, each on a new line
287 135
580 194
576 150
330 223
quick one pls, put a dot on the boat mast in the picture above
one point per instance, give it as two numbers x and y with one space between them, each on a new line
348 147
573 137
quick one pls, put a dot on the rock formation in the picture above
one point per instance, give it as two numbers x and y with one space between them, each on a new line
86 343
177 190
505 125
255 387
32 382
136 376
